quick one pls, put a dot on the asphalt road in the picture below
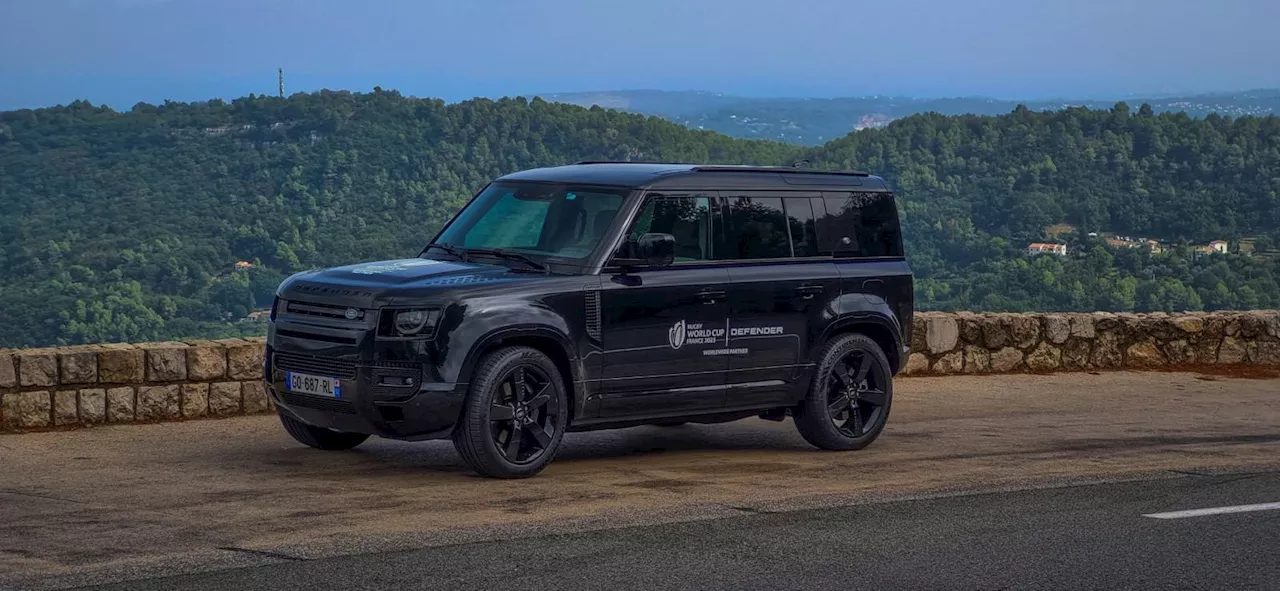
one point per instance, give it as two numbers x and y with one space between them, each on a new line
138 503
1083 537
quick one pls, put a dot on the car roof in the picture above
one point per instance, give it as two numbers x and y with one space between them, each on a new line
652 175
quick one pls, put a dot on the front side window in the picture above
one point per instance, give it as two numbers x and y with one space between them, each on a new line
686 217
535 219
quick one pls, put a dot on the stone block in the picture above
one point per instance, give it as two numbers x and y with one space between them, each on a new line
37 367
244 359
166 362
1075 353
1232 351
93 405
195 400
1045 357
1252 325
1204 349
1264 352
943 334
1106 351
78 367
1177 352
254 395
157 403
1057 328
918 330
26 410
120 404
65 408
970 328
1026 331
8 371
1188 324
1082 326
121 365
206 360
949 363
1144 353
917 364
224 398
977 359
996 332
1006 360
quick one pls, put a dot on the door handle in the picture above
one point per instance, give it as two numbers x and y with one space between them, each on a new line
808 291
710 296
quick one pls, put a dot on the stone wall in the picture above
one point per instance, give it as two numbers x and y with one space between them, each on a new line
87 385
76 386
946 343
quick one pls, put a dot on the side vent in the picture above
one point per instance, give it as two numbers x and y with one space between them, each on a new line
593 314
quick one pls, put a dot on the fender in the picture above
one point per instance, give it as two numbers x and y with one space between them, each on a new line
852 309
479 331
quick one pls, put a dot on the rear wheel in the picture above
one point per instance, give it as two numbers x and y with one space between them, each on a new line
849 400
515 415
319 437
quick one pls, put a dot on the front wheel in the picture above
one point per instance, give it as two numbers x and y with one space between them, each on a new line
849 399
318 437
515 415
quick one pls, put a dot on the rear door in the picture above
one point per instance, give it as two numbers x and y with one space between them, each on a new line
780 290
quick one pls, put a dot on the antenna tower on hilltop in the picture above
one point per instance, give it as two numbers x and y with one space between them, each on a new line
280 75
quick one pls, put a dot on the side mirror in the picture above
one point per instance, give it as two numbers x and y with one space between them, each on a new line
657 250
651 250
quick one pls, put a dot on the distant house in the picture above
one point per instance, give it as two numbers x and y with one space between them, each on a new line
1046 248
1155 247
244 265
1219 246
258 315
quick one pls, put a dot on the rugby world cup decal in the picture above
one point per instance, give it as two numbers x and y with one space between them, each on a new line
676 335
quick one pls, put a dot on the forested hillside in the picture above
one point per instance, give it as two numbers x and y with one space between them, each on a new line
129 226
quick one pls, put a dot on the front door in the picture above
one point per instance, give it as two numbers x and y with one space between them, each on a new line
663 330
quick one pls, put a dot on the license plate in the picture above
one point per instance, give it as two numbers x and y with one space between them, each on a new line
309 384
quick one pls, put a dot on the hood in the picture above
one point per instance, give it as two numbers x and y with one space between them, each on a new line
364 283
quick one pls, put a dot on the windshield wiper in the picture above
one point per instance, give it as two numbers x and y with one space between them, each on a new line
512 256
461 253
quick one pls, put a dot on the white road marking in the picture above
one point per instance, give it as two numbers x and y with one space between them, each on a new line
1214 511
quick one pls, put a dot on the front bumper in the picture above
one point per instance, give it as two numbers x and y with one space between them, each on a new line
367 403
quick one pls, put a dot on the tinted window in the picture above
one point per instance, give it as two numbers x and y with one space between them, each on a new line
757 229
687 218
804 235
859 224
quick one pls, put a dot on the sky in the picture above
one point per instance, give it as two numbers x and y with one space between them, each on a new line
120 52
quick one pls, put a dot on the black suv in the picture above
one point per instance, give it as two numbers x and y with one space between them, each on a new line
604 295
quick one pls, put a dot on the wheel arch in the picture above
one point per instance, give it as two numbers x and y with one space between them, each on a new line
883 330
550 342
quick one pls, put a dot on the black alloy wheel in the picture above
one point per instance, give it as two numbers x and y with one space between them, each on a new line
850 397
515 414
524 416
855 393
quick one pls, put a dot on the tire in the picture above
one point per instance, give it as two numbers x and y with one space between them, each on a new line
826 418
517 394
318 437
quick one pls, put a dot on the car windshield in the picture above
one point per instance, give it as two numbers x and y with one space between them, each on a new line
535 220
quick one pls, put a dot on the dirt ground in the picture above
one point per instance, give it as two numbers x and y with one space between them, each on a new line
205 493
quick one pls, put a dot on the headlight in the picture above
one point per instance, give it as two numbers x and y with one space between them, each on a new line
409 323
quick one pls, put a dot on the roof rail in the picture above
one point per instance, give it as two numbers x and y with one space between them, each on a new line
777 169
622 162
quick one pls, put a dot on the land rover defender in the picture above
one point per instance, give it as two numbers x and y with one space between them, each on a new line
605 295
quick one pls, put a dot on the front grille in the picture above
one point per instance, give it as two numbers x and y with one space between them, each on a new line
321 310
315 365
318 403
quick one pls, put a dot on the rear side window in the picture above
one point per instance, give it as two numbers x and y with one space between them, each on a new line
757 229
859 225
